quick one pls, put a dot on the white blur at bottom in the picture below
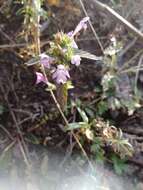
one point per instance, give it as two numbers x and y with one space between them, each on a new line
56 172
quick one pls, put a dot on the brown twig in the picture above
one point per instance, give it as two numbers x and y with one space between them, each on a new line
91 26
119 18
7 148
6 36
7 132
15 122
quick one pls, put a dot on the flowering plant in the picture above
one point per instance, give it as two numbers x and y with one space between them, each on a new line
57 60
61 53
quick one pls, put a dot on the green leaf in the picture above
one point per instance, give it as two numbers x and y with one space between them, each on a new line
86 54
114 103
119 164
83 115
98 152
90 112
77 125
102 107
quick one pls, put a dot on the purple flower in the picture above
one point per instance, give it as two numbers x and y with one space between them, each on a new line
40 78
70 33
46 60
75 60
61 74
73 45
82 25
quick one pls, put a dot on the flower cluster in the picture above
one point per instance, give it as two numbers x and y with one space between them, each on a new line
62 48
60 75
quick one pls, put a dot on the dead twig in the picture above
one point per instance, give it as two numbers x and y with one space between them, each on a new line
6 36
22 149
126 64
119 18
7 132
91 26
7 149
16 123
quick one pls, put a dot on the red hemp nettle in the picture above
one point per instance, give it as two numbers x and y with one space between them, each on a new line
61 74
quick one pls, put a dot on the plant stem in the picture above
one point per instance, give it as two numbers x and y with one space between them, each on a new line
36 36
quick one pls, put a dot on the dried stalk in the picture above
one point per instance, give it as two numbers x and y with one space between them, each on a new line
91 26
119 18
38 51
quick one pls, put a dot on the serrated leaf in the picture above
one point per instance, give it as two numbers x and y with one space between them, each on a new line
77 125
85 54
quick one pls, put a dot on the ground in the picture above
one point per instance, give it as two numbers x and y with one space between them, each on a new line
28 115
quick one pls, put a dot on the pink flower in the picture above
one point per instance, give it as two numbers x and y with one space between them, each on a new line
46 60
40 78
61 74
75 60
82 25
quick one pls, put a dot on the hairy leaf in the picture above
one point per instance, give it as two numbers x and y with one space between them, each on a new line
85 54
77 125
